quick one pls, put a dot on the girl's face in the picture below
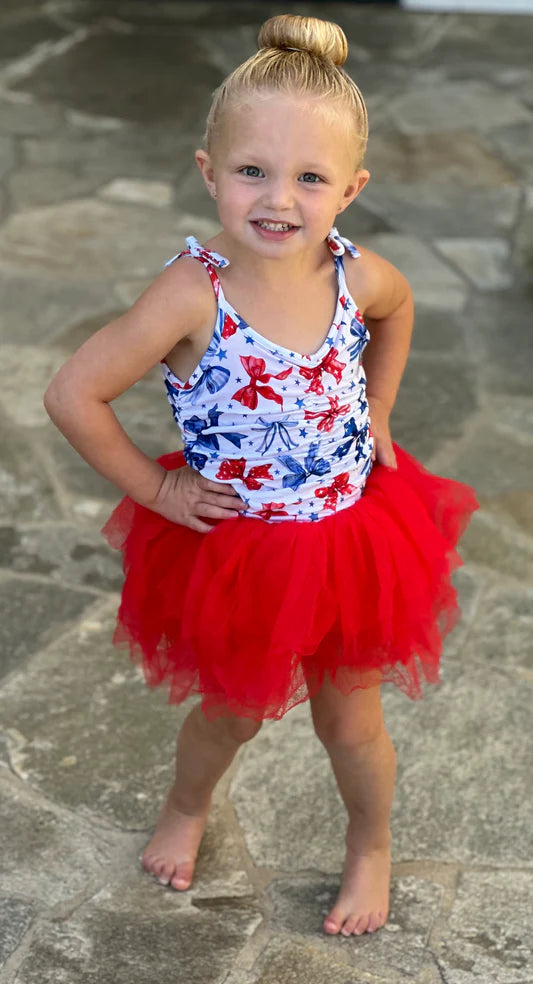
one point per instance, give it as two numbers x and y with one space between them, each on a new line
280 162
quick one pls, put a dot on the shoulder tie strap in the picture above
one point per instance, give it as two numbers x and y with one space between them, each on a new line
338 244
207 256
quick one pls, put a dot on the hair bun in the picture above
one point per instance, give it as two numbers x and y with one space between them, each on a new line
318 37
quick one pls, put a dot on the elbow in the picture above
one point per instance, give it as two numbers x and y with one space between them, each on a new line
50 399
54 400
61 400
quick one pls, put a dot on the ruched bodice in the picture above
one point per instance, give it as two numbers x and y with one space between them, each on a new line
289 432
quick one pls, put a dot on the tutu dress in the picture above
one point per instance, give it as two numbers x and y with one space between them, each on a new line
338 567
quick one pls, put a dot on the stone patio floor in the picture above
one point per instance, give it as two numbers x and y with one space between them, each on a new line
101 106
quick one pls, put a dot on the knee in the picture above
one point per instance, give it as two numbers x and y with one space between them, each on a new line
239 729
347 731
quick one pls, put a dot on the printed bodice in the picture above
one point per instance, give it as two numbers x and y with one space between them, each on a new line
289 432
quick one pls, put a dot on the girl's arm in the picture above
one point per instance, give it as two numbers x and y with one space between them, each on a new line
113 359
386 302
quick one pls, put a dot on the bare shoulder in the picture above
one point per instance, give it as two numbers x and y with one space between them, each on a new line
376 285
178 304
179 299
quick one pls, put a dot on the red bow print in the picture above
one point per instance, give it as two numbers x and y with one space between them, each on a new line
328 416
339 486
234 468
329 364
270 509
256 371
229 327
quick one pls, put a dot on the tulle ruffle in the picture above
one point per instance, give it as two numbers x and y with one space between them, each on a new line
253 615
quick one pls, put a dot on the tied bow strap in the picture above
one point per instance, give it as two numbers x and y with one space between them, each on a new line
256 371
329 364
338 244
235 468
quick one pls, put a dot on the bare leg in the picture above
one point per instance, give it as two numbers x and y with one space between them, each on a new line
364 763
205 749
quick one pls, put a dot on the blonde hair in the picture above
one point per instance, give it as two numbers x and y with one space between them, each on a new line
297 56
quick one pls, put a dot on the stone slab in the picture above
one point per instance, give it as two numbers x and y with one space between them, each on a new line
22 33
33 309
158 194
461 755
497 544
433 282
32 613
100 720
90 240
52 856
104 148
395 952
16 917
464 761
485 262
464 158
523 254
504 349
494 461
438 332
131 932
515 146
82 325
144 413
88 734
7 155
21 116
293 961
456 106
64 552
431 209
489 936
26 370
502 42
26 492
142 80
34 186
434 403
501 634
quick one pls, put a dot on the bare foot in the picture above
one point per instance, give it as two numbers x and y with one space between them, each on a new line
171 853
363 902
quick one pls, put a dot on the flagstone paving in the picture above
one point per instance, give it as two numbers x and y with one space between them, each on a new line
101 107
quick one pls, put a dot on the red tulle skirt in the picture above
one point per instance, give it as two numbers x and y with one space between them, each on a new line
254 615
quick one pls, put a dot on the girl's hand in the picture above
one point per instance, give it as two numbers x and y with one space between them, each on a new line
185 495
383 451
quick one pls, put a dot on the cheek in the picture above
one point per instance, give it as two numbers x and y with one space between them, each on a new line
238 196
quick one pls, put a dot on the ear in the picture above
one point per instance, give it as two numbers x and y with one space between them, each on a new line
204 162
358 182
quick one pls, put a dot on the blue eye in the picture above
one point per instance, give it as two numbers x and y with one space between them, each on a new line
251 167
314 177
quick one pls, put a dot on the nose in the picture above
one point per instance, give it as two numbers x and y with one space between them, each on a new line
279 194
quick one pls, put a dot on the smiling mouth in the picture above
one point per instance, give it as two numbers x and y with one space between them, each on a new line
274 226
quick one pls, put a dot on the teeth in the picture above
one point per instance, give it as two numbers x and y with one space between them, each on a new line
275 226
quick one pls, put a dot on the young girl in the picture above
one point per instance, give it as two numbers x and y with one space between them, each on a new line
292 552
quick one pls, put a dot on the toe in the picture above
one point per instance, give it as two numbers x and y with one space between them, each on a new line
158 868
147 860
182 877
334 919
349 924
331 925
373 922
166 872
360 925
